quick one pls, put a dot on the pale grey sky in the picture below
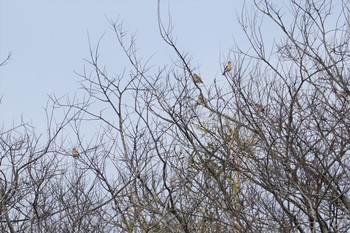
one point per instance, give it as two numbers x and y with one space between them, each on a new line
48 41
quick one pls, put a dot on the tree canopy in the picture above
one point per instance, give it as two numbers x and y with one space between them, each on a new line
264 150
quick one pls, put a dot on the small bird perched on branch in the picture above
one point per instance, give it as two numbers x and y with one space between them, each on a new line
201 100
228 67
259 108
197 78
75 152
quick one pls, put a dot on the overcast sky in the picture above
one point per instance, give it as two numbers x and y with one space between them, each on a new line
49 41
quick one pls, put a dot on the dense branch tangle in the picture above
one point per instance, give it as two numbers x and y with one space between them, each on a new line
264 150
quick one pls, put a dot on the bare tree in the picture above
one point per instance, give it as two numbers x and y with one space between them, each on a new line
264 150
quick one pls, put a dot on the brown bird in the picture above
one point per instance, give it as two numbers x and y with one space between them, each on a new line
197 78
259 108
228 67
201 100
75 152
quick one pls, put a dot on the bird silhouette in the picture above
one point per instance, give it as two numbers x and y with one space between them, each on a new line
197 78
201 100
228 67
259 107
75 152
